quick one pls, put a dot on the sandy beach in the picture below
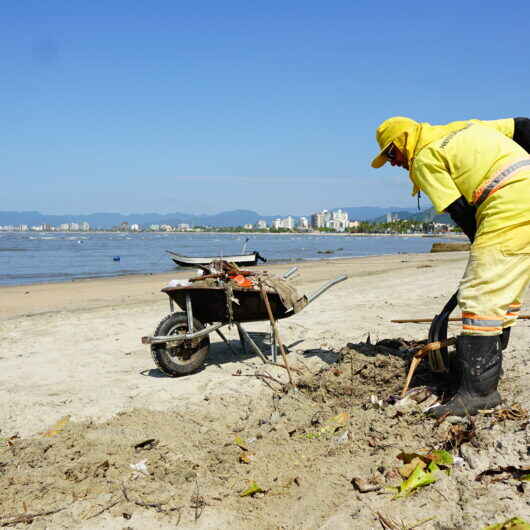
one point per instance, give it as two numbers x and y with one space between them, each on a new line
73 350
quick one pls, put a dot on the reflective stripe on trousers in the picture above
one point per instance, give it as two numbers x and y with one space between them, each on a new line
471 321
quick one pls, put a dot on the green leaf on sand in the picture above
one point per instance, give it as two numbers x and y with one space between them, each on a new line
515 523
442 458
252 490
240 443
418 479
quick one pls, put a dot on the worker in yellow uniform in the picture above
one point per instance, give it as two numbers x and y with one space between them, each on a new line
476 172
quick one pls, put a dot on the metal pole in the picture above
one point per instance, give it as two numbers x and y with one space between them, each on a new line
273 345
220 333
254 346
242 341
161 339
429 320
189 313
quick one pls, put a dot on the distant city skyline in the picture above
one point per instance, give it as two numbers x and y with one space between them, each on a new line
327 220
208 107
232 217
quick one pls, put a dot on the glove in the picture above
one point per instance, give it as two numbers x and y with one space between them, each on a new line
463 214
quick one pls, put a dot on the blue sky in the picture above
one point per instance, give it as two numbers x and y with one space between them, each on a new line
201 107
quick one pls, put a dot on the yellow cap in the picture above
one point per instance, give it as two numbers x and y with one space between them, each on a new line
386 133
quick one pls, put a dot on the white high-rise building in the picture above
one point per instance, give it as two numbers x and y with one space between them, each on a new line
288 223
318 220
303 223
338 220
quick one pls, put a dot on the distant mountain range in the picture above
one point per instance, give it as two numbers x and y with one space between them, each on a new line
229 218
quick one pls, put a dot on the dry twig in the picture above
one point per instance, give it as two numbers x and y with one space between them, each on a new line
264 378
276 332
108 507
156 505
197 501
391 524
11 520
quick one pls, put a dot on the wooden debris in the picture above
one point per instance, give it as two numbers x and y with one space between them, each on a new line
12 520
276 332
420 354
156 505
364 486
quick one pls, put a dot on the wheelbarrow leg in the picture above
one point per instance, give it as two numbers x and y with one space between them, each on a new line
242 340
253 345
226 341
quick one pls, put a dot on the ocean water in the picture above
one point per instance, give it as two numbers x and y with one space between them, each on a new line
33 257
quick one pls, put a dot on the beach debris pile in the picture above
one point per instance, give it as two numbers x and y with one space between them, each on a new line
336 443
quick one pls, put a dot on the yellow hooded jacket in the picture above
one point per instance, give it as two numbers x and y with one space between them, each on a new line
475 159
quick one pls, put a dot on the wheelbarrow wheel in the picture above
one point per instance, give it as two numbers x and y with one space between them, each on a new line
180 358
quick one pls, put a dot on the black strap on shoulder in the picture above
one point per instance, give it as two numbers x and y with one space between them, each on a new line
521 132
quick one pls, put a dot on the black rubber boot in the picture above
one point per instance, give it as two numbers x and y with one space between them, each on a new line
480 363
505 338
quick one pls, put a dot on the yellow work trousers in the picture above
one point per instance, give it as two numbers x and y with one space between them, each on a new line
495 282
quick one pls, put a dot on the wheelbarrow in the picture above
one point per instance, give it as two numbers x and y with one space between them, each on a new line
181 340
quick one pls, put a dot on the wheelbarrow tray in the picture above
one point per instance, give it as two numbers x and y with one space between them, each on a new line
210 304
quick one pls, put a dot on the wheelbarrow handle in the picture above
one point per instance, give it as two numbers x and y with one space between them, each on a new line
325 287
289 273
170 339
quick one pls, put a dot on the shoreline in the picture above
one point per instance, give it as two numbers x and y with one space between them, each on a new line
301 233
75 276
87 293
184 270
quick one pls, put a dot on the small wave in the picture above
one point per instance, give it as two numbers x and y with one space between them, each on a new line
37 276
